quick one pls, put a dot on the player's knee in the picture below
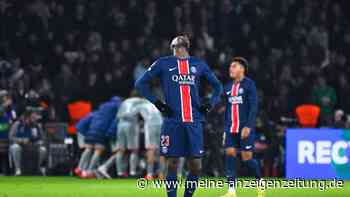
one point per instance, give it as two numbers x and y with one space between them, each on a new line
15 147
195 166
172 164
99 151
246 155
135 151
231 152
151 147
121 151
42 150
115 151
195 169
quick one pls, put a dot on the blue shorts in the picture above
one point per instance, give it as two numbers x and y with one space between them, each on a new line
181 139
94 139
235 141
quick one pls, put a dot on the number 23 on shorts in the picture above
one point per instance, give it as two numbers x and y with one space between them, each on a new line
164 140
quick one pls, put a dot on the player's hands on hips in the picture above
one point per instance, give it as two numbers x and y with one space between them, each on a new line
164 108
205 106
245 132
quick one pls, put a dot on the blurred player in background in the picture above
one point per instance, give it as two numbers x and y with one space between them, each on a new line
184 110
152 125
27 131
82 128
240 115
128 136
96 136
112 141
7 106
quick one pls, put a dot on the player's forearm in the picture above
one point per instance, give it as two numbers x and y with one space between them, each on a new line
217 90
253 106
253 109
215 98
142 86
251 119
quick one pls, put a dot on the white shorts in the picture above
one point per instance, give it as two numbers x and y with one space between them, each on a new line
128 135
81 140
152 135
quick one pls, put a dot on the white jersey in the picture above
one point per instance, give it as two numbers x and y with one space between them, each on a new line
127 110
149 113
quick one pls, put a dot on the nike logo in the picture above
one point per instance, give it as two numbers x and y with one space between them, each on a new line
229 92
171 69
248 147
201 152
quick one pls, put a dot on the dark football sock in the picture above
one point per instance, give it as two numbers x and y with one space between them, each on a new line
171 183
190 185
253 167
230 170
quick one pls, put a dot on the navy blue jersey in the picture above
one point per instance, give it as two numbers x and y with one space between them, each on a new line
5 122
105 114
241 105
103 118
180 81
23 130
112 130
84 124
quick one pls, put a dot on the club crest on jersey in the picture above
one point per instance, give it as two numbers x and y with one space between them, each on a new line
164 149
240 91
184 79
235 99
193 69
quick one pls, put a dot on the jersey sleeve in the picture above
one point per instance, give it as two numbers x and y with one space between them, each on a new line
214 82
143 83
253 105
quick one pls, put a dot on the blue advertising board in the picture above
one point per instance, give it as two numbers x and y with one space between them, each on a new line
318 153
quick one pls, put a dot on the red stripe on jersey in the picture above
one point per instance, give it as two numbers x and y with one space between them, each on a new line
185 92
234 110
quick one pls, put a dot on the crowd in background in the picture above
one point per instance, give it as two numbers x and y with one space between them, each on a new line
61 51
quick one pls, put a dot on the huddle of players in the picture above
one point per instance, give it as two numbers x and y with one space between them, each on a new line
116 123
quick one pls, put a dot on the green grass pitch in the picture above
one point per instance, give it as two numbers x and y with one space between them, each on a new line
74 187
